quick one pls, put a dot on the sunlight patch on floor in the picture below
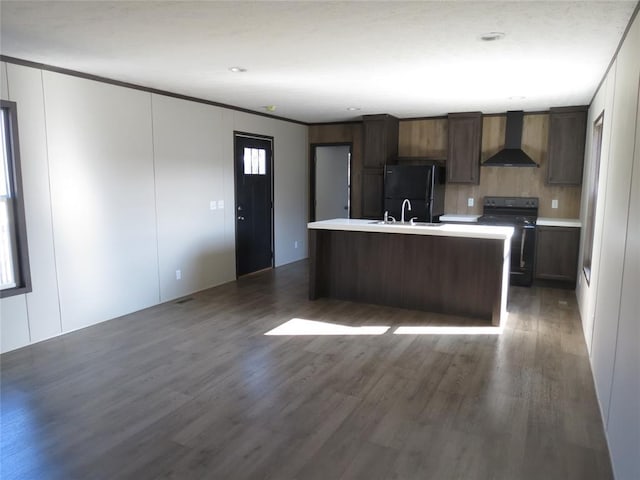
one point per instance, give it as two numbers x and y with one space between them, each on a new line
443 330
300 326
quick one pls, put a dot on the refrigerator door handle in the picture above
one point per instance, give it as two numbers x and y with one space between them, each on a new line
429 195
523 240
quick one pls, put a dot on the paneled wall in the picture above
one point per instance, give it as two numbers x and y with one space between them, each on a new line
102 198
42 303
118 185
423 138
188 150
610 303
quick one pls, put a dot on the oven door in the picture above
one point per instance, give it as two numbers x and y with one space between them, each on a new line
523 247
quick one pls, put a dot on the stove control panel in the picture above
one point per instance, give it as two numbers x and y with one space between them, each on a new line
511 202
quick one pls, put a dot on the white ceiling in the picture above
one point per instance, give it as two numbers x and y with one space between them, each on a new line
312 60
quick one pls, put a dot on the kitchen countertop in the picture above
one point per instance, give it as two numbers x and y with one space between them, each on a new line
558 222
458 217
541 221
445 229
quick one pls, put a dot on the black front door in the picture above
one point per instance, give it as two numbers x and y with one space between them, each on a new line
254 205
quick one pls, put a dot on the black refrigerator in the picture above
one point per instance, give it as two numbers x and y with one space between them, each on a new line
423 185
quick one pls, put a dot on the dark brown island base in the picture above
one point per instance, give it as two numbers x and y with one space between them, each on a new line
460 270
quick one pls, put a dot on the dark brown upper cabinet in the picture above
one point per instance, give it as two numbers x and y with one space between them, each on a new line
567 132
465 144
380 140
380 148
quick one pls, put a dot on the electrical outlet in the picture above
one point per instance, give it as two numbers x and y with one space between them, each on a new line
554 203
470 202
212 205
178 274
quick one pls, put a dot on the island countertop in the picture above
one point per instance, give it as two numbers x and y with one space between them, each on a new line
444 229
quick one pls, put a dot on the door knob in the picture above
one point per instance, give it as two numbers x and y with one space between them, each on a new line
240 217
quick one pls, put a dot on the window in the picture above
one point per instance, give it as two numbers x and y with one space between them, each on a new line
587 254
255 161
14 261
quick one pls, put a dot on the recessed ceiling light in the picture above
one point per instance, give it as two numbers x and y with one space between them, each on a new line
353 109
491 36
237 69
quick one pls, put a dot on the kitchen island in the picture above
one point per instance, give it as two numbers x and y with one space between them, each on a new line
460 270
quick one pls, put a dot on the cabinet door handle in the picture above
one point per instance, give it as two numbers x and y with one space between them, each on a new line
240 217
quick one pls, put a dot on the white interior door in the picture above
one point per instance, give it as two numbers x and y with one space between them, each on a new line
332 182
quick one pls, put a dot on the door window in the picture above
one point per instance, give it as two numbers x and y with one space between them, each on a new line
255 161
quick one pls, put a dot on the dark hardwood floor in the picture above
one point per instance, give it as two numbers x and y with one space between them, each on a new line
196 390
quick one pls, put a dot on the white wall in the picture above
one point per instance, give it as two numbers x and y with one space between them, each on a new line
43 318
331 182
291 196
610 305
102 198
118 184
190 169
602 102
623 426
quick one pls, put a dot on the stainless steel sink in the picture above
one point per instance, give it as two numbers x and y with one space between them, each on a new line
407 224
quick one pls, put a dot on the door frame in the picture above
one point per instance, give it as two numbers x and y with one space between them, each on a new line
312 175
238 133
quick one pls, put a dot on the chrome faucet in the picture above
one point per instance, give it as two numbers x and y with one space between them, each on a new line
408 203
388 218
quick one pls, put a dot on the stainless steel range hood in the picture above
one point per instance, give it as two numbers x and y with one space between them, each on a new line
512 154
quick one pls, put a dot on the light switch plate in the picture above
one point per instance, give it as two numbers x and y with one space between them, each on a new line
554 203
212 205
470 202
220 204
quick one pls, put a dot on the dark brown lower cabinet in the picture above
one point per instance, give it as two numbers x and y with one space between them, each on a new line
557 253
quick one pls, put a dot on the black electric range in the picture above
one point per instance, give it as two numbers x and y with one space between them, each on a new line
521 213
